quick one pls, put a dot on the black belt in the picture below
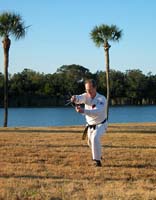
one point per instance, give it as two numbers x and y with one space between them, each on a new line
91 126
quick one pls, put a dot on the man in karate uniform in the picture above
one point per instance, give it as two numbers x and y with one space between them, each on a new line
95 114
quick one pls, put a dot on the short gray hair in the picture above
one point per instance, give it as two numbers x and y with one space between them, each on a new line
92 81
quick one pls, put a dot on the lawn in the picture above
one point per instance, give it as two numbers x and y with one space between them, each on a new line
53 163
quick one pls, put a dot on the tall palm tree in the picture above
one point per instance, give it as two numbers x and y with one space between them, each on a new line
11 24
101 35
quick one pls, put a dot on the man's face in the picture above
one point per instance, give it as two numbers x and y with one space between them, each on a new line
90 90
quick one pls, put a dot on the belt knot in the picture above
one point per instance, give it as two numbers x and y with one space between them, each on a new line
91 126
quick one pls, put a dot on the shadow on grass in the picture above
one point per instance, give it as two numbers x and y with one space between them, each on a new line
117 130
138 166
133 131
31 177
40 131
77 146
128 147
46 145
63 180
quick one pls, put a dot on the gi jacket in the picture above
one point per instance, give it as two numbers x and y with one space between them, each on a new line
95 108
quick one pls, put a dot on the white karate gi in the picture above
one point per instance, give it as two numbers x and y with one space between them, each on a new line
95 113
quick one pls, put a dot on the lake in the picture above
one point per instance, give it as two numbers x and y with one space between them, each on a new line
68 116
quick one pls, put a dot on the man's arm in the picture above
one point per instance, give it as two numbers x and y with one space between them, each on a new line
78 99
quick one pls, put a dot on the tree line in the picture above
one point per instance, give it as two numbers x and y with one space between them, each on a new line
33 89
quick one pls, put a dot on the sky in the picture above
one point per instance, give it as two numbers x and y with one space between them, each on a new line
59 34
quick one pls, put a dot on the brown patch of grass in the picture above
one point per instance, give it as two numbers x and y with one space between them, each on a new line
54 163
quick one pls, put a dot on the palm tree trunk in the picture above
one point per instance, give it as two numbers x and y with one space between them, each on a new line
6 46
106 48
5 95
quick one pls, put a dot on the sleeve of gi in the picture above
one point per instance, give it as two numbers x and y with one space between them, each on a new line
80 99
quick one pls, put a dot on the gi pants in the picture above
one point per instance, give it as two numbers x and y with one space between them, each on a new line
94 136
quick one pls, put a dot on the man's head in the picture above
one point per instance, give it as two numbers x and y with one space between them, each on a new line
90 87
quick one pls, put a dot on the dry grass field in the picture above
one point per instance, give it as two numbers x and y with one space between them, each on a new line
53 163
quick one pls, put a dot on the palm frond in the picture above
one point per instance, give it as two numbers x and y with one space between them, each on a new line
12 24
104 33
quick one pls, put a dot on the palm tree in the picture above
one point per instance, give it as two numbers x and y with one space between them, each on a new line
11 24
101 35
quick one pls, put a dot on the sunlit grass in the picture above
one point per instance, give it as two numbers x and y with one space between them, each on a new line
54 163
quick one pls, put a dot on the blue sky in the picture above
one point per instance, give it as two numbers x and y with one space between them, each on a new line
60 34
